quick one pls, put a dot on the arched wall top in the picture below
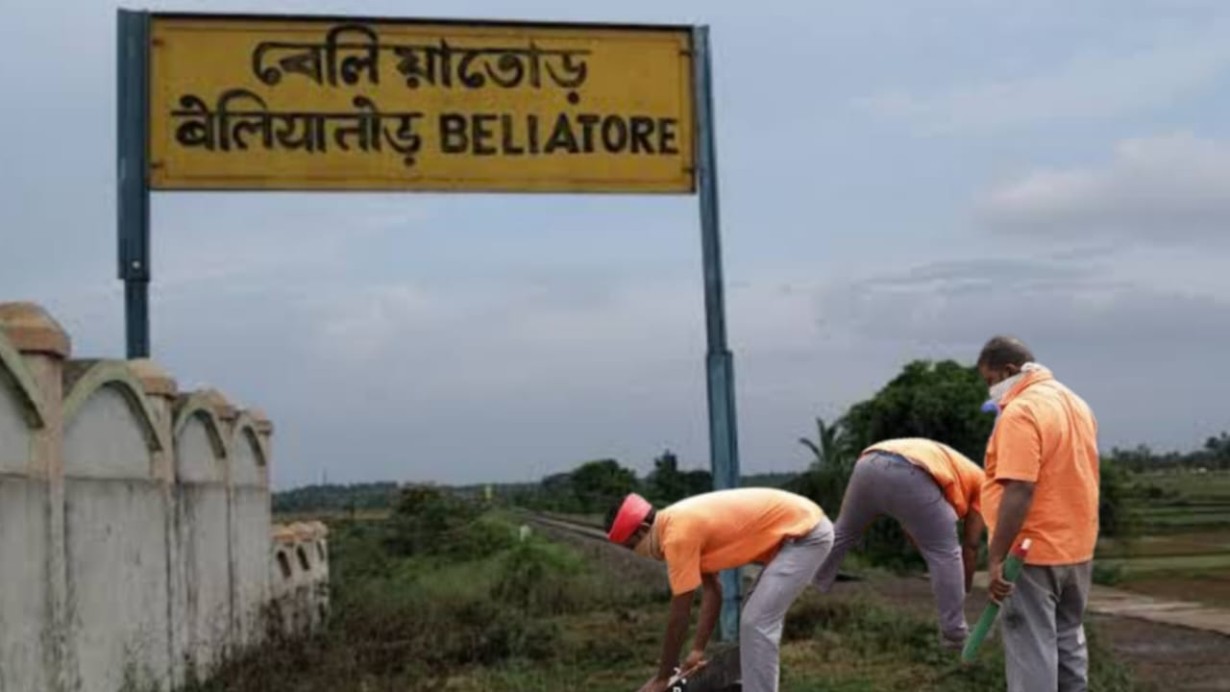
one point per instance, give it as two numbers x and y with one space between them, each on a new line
200 405
82 379
247 427
13 369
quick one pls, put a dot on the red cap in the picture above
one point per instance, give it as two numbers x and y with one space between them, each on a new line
631 513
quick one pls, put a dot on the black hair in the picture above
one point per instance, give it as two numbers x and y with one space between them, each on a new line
611 514
1002 351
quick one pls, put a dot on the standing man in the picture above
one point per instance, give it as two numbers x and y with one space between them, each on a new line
1042 484
704 534
926 486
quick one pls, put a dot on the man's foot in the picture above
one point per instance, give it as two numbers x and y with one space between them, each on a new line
952 644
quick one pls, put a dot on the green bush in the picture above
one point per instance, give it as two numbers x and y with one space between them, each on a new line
538 577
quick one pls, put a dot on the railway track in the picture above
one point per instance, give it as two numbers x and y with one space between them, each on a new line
565 523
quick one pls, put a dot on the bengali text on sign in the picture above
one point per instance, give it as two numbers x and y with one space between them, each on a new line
304 104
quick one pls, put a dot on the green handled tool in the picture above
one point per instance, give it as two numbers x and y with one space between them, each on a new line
1012 568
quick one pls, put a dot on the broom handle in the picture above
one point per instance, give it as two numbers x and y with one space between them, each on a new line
1012 568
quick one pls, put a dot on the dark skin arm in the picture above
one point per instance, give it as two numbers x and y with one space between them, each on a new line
676 630
974 526
710 607
1014 507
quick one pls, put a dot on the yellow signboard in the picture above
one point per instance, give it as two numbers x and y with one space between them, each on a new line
322 104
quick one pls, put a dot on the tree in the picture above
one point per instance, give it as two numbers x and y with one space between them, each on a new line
598 484
667 484
940 401
826 480
825 448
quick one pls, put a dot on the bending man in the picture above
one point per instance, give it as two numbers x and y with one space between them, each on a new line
927 487
704 534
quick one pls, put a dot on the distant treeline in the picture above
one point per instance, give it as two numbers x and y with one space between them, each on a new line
336 498
1215 454
586 489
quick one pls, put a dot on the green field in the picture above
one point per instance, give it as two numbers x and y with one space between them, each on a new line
1180 543
1190 484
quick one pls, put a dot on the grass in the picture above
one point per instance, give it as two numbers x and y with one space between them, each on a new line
864 645
1181 542
1212 485
475 609
1172 562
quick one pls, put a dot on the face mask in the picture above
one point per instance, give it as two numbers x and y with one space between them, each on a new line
1000 389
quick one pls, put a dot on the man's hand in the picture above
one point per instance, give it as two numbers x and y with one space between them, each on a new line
999 588
1013 508
969 560
656 684
695 660
974 526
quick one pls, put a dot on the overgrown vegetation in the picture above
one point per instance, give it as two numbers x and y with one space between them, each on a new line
449 594
442 590
832 644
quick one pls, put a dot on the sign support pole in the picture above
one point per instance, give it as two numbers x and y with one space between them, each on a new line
719 363
132 171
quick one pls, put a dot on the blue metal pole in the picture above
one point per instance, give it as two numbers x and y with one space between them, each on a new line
719 363
132 168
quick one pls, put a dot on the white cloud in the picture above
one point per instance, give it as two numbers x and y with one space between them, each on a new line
1137 351
1088 86
1172 188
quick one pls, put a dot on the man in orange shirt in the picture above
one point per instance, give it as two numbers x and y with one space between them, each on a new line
926 486
704 534
1042 484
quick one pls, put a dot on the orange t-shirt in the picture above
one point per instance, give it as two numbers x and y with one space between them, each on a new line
707 533
959 478
1047 435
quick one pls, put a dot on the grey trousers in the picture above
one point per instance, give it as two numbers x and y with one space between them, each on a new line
779 584
1043 631
889 484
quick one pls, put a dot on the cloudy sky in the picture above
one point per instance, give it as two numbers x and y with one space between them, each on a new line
899 180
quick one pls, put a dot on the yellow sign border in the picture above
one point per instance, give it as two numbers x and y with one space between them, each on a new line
161 179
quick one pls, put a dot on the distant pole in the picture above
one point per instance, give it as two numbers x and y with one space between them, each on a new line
719 363
131 176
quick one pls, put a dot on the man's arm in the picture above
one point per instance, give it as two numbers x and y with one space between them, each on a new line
676 630
1013 508
710 606
974 526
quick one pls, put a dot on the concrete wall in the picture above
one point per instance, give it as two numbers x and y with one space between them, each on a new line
119 594
251 527
299 577
135 527
203 530
25 581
